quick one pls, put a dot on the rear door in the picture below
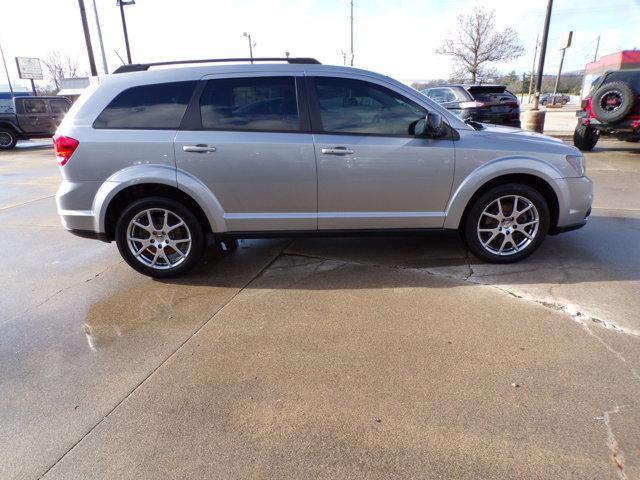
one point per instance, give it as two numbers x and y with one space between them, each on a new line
373 173
446 97
248 141
33 115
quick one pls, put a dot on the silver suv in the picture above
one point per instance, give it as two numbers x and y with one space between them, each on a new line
168 160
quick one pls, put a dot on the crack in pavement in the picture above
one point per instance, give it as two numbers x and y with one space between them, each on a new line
167 359
617 455
58 292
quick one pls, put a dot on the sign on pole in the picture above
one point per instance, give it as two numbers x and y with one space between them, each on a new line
29 68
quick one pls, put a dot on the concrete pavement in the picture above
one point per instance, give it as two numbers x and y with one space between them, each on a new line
326 358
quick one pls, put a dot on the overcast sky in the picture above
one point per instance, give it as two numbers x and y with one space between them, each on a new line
392 37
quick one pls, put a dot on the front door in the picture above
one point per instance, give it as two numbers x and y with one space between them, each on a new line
373 172
247 145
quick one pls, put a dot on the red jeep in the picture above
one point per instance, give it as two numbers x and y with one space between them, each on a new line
612 108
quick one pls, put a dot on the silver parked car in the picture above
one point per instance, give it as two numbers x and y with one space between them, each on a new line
167 160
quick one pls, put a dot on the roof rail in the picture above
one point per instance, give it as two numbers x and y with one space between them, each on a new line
140 67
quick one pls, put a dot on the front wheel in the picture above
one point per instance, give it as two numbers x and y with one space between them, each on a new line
507 224
159 237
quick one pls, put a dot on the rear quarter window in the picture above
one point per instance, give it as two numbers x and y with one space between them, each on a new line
159 106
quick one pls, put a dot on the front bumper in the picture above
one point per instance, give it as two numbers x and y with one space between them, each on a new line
574 204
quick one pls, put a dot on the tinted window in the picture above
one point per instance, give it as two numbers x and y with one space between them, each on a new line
355 106
262 103
158 106
35 106
491 94
58 106
441 95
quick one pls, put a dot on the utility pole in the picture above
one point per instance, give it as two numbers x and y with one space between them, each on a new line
534 118
104 57
121 4
524 79
543 53
595 55
6 70
533 67
352 33
564 49
251 45
87 38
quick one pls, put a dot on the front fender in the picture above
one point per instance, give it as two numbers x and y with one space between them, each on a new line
497 168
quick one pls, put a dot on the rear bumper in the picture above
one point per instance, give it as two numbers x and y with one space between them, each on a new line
89 234
510 119
74 201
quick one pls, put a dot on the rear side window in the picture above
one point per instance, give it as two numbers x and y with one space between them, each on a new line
159 106
35 106
442 95
261 103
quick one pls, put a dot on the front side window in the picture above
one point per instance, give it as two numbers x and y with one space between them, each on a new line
260 103
356 106
35 106
59 106
158 106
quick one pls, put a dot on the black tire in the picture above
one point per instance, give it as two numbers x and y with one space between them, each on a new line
585 137
8 138
632 140
527 246
191 227
613 101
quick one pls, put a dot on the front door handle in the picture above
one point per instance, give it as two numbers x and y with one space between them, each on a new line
200 148
337 151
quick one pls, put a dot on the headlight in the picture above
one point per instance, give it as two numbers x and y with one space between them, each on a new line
577 162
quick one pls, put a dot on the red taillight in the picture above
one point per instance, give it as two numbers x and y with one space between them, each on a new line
65 146
474 104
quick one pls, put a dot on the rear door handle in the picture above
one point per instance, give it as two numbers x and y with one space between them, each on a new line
337 151
200 148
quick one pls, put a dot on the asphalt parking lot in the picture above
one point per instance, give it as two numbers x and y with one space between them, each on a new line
321 358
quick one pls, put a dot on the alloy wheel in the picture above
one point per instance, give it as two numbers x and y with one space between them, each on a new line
159 238
508 225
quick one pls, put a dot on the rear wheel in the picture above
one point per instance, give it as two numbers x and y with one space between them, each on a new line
159 237
507 224
585 137
8 138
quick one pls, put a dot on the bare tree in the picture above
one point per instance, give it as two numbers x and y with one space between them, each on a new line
477 44
60 66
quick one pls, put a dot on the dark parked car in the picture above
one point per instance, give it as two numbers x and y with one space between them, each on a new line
547 98
479 103
611 108
32 117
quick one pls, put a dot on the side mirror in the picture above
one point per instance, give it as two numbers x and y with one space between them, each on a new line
434 124
431 126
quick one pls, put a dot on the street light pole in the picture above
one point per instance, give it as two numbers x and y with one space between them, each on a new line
251 45
6 70
104 57
352 33
121 4
87 38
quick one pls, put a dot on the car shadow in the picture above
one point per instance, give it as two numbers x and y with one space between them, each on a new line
604 250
